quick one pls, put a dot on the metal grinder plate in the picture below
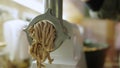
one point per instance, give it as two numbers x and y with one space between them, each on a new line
60 31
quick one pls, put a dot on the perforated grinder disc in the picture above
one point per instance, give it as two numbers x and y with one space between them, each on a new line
60 34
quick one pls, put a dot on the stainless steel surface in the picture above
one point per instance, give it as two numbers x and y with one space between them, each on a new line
56 6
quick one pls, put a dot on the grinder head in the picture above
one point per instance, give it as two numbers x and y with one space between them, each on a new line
61 34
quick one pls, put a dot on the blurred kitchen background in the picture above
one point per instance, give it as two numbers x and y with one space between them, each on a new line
98 26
